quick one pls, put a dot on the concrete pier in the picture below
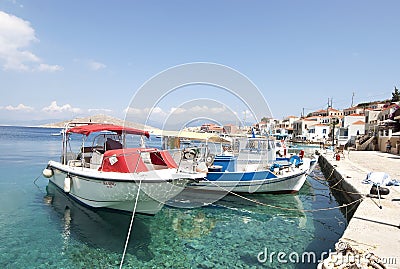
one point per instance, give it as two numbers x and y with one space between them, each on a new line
375 225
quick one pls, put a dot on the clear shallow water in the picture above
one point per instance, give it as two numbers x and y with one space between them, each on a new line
42 228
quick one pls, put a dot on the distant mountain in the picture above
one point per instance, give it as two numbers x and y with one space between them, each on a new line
100 119
24 122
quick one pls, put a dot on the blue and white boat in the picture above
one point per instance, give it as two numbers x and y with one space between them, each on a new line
253 168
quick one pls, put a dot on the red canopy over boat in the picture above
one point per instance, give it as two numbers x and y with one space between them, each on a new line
91 128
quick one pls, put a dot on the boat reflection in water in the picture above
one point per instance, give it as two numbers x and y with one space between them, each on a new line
100 228
192 222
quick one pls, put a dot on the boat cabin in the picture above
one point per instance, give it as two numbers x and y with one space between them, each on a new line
103 148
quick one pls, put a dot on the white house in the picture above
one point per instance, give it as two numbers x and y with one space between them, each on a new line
353 110
300 127
318 132
352 126
371 121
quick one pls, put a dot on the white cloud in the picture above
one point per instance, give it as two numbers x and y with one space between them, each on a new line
16 35
246 112
16 3
99 110
145 112
20 107
94 65
178 116
54 108
49 68
177 110
157 111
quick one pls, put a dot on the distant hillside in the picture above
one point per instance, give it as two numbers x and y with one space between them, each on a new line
100 119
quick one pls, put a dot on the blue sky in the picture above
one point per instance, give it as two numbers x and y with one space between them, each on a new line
60 59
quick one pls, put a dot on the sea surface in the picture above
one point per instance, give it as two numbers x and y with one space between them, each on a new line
40 227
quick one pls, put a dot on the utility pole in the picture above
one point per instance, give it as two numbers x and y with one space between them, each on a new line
327 109
335 121
333 133
352 99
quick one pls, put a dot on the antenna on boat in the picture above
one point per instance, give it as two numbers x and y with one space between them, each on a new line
142 143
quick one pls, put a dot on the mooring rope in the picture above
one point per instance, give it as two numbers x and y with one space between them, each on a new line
285 208
36 185
341 190
329 178
34 182
319 179
130 225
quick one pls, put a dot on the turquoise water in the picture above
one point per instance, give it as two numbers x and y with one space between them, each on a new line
42 228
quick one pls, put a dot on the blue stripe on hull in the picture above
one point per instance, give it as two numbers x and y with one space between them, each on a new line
240 176
254 182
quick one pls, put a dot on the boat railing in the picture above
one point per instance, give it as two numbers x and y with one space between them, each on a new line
131 160
192 159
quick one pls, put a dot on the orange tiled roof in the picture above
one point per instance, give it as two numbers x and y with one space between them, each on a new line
359 122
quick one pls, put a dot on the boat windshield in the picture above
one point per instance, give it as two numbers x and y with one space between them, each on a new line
82 140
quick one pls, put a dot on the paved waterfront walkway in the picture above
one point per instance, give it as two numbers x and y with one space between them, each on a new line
371 228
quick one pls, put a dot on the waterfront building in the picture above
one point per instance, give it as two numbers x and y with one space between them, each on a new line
285 126
353 110
301 127
351 127
327 112
230 129
318 132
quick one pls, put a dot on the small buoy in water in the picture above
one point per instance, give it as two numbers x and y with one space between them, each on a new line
67 184
47 172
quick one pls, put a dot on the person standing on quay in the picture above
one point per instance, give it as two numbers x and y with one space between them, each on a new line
322 143
388 146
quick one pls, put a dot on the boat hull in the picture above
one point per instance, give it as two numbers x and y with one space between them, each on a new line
288 180
118 190
257 182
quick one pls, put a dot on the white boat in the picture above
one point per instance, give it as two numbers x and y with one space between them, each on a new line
106 174
251 167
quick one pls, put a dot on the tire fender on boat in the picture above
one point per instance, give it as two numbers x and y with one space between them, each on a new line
47 172
189 153
67 184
